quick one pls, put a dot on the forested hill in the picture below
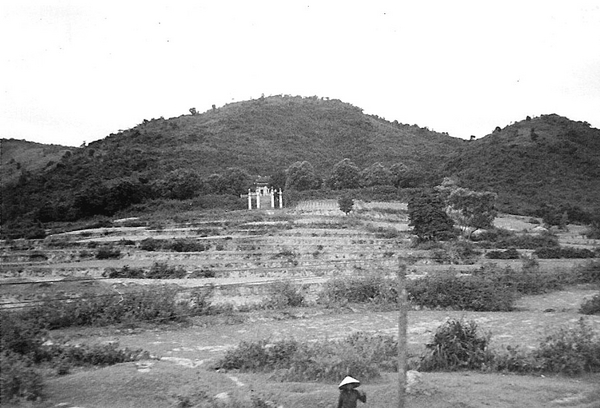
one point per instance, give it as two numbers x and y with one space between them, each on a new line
544 160
261 137
549 159
267 135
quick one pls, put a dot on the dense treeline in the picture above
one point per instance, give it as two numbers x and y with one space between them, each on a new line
108 197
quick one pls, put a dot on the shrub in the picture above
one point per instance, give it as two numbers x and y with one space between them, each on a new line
187 245
570 351
591 306
478 293
529 281
284 294
157 304
108 253
20 336
511 253
459 252
92 355
457 345
162 270
428 217
18 378
566 252
360 354
124 272
202 273
362 289
589 273
503 239
150 244
515 359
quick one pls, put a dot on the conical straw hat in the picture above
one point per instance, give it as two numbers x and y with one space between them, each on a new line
349 380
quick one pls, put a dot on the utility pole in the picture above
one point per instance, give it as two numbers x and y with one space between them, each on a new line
402 330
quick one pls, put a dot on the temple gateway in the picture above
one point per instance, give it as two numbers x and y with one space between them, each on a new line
263 196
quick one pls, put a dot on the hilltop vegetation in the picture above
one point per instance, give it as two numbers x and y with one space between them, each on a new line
214 156
18 156
545 160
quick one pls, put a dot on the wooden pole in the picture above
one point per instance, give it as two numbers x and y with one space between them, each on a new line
402 330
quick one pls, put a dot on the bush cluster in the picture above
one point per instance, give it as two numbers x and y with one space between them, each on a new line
563 252
108 253
530 280
445 290
589 273
360 354
158 270
591 306
504 239
489 288
66 356
177 245
373 288
23 351
455 252
510 253
457 345
284 294
19 379
149 304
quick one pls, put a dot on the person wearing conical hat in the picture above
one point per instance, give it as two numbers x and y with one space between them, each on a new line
349 395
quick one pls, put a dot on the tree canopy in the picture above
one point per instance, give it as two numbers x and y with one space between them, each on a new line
345 175
428 217
301 176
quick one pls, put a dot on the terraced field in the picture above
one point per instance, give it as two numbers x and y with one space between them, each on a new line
240 254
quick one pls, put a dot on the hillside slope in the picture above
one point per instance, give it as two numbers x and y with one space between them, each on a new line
18 156
548 159
269 134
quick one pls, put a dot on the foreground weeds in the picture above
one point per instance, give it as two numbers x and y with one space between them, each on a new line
26 352
361 355
458 345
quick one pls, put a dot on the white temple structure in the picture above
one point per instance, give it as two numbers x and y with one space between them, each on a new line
264 197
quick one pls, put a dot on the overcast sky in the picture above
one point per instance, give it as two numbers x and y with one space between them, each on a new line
75 71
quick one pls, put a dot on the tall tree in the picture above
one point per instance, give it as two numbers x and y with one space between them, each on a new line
473 209
179 184
301 176
376 175
346 204
237 181
398 173
427 214
345 174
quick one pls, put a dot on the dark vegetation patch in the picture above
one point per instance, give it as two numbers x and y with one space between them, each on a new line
591 306
511 253
25 352
564 252
504 239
